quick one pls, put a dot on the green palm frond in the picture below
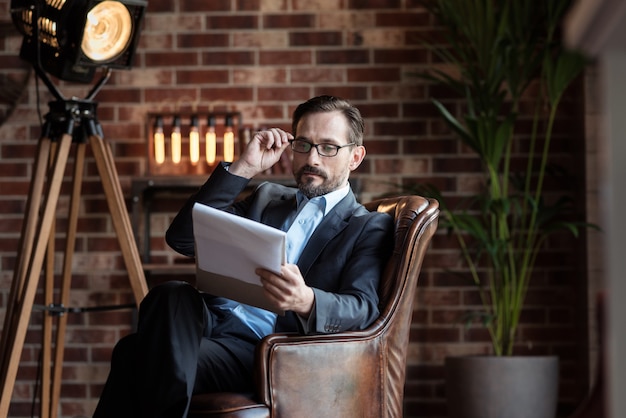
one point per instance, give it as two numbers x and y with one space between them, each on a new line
493 51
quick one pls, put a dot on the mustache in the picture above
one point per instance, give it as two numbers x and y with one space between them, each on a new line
307 169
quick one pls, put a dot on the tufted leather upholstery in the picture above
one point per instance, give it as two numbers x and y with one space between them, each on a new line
350 374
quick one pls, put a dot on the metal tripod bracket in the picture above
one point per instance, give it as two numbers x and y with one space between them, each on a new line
66 115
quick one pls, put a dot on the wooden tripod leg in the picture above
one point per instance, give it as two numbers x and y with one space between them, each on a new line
28 274
119 215
54 390
27 237
46 332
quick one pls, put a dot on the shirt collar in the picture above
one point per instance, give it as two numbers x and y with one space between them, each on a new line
328 201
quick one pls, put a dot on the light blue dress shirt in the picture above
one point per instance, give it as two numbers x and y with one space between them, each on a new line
299 227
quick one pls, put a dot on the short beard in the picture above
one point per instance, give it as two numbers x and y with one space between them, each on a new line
308 189
311 191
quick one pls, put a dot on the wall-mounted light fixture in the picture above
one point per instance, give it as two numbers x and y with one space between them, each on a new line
210 139
176 140
229 139
194 140
192 143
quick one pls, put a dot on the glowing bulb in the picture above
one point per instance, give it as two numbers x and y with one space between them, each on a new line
107 31
210 140
229 140
176 140
194 141
159 141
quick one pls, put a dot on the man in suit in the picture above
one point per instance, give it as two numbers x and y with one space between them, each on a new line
188 342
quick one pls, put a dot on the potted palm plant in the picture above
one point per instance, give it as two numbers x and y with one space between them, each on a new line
493 51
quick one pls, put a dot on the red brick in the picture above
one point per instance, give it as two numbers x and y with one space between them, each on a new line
204 40
172 59
298 21
374 4
403 19
286 57
343 57
326 38
399 56
233 22
317 75
196 77
204 6
399 128
374 110
166 95
269 112
350 92
357 75
228 58
248 5
227 94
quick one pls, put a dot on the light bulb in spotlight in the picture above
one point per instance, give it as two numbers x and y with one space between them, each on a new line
176 140
108 31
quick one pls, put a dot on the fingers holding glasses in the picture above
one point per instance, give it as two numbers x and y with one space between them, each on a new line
274 138
261 153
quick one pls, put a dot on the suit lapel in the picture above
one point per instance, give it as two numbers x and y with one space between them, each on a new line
277 211
330 227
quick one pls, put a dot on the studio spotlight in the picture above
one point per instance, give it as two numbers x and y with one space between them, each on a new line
70 39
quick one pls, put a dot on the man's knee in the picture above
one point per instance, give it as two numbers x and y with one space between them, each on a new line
171 302
171 291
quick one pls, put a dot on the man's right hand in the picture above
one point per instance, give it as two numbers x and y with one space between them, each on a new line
261 153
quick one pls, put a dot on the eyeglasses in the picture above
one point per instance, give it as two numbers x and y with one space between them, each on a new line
325 150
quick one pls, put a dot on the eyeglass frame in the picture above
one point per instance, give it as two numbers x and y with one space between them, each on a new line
316 146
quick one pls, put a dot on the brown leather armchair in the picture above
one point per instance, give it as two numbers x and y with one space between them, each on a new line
349 374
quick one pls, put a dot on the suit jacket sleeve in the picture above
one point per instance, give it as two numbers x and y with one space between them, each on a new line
220 191
355 305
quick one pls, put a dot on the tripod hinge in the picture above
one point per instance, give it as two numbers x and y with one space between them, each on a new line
54 309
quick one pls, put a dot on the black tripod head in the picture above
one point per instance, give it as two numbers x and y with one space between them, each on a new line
73 117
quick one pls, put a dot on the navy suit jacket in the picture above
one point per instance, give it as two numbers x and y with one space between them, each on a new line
343 260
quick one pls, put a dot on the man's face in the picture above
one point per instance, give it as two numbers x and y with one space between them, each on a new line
317 175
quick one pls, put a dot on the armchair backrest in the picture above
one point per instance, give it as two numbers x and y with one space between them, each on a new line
416 221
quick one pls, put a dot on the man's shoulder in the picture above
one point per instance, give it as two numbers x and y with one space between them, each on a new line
373 215
363 215
274 190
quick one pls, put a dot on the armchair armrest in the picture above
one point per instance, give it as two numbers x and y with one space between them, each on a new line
322 373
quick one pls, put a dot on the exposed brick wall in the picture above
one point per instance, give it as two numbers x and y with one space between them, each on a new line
263 57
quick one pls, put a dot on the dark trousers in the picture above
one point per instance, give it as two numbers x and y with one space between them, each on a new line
182 346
